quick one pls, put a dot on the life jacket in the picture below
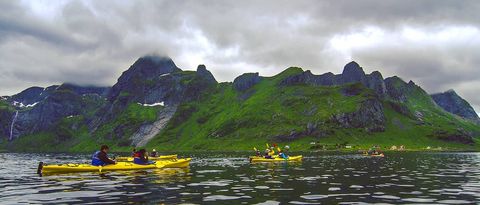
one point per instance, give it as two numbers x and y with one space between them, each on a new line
137 154
283 155
96 161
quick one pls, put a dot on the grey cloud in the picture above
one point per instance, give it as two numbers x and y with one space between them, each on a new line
92 42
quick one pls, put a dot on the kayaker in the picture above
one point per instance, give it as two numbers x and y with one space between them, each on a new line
154 153
141 157
286 149
100 158
257 153
134 151
283 153
272 151
267 154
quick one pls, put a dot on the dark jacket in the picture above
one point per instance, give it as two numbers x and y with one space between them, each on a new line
104 158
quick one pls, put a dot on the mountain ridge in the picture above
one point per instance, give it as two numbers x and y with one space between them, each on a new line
301 106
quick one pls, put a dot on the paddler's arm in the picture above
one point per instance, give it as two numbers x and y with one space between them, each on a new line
105 158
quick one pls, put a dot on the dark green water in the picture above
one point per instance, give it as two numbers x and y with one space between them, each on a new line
400 178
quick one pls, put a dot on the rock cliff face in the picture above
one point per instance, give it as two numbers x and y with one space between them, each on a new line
54 104
149 130
153 81
31 95
202 72
369 116
353 73
451 102
246 81
141 76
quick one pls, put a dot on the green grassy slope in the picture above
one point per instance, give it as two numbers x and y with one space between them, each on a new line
229 120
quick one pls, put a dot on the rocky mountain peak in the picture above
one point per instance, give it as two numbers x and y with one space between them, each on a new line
141 72
153 65
206 74
451 102
246 81
352 72
82 90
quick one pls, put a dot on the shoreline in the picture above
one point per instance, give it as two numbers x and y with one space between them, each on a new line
360 151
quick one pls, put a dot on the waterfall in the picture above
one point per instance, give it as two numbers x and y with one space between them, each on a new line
13 123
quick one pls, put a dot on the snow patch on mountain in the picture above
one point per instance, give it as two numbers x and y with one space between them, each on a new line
154 104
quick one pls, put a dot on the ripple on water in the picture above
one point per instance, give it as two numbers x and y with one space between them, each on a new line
224 197
210 171
314 197
303 202
356 187
219 183
419 200
269 202
386 197
454 201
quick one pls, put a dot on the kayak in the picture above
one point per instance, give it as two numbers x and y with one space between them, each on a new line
374 155
66 168
177 163
163 157
297 158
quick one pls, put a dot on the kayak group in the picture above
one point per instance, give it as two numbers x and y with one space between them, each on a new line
270 155
270 152
100 158
141 159
101 162
374 151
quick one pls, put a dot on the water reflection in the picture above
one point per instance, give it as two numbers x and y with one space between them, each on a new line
437 178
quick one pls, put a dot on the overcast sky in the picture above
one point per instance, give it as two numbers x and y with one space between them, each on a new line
434 43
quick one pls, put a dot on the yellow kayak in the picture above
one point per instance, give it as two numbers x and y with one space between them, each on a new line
66 168
374 155
162 157
177 163
297 158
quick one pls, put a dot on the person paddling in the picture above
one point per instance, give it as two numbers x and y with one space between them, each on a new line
154 153
134 150
283 153
267 154
100 158
141 157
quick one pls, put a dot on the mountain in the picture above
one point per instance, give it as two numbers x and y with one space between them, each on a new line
38 109
453 103
155 104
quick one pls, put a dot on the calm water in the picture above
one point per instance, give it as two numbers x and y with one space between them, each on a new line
438 178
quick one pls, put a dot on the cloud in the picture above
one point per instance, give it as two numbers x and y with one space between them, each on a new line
435 43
